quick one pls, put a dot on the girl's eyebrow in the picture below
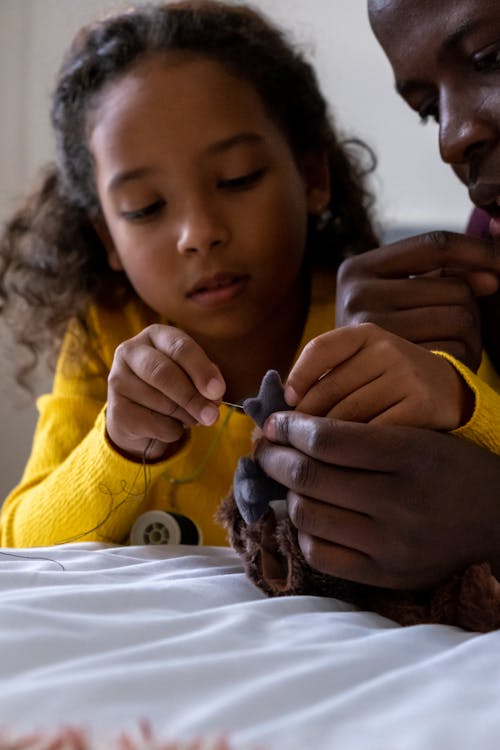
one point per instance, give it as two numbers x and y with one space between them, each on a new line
130 174
214 148
234 140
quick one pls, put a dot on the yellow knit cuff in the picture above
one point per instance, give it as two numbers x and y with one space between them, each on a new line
483 427
117 462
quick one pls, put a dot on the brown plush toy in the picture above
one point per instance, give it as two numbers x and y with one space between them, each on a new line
254 515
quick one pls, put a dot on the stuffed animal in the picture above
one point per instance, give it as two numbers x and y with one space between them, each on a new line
254 515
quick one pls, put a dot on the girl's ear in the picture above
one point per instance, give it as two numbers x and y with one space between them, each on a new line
104 235
316 170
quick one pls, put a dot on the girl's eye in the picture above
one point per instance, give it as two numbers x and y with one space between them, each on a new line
244 182
144 213
488 59
429 111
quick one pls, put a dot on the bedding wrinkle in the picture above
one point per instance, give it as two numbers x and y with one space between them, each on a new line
180 637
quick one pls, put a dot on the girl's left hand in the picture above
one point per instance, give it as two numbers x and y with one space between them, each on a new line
367 374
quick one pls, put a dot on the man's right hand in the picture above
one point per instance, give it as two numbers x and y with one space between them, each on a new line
423 289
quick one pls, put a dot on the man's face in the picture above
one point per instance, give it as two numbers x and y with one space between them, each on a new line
446 61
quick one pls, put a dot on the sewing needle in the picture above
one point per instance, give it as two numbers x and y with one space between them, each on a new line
232 406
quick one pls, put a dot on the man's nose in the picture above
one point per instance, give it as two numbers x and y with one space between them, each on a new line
465 131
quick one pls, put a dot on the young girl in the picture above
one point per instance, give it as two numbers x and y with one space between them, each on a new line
178 233
188 239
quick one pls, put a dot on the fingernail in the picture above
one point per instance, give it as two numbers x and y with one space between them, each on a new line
290 396
215 389
209 415
269 427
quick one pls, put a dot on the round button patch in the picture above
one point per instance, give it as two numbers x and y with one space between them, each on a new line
158 527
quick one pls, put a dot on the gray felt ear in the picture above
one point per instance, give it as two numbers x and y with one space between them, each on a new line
253 490
268 400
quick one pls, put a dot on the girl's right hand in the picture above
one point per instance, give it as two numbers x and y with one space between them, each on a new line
160 382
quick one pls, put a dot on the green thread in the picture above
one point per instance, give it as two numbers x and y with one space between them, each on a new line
112 508
146 472
175 482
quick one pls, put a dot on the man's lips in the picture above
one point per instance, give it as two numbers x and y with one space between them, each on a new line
487 197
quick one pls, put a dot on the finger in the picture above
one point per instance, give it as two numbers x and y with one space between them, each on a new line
191 358
334 442
332 484
138 391
409 412
359 474
482 283
369 401
423 291
328 397
412 386
429 251
147 424
431 323
171 380
346 380
336 560
334 524
387 295
322 355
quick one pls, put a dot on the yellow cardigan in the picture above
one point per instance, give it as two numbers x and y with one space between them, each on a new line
76 487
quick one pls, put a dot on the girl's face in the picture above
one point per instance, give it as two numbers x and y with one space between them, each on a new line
446 60
205 207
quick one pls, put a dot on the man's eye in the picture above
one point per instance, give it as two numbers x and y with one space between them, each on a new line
145 212
488 59
243 182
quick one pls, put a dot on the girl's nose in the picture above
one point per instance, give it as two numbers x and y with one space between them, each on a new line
465 132
200 231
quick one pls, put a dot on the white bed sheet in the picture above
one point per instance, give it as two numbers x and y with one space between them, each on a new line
179 636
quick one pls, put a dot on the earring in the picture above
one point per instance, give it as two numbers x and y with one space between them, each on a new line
324 219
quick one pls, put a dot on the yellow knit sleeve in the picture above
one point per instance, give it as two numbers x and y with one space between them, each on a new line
94 494
75 486
483 427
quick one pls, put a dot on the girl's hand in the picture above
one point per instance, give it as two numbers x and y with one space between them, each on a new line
366 374
384 505
424 289
160 382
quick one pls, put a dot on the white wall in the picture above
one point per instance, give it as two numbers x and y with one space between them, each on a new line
412 186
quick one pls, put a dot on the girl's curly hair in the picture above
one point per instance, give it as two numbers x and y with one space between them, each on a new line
53 264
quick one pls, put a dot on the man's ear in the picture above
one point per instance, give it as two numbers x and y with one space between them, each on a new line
104 235
316 171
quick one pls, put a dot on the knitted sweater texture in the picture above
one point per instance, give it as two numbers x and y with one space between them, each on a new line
76 487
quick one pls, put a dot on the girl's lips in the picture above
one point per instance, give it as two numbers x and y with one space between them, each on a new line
219 290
